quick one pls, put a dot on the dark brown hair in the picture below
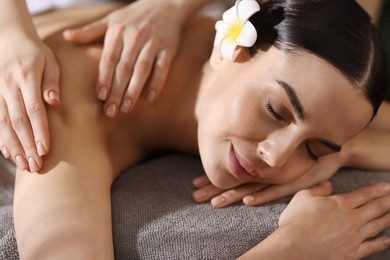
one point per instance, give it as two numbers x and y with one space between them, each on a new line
338 31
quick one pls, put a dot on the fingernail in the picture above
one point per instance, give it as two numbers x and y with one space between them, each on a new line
125 107
151 96
111 110
248 200
103 92
32 164
200 194
21 162
41 149
5 152
218 201
53 95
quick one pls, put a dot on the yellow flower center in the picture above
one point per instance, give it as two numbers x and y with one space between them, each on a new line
235 30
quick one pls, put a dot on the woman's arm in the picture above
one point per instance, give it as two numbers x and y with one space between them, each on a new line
370 149
316 225
382 119
29 76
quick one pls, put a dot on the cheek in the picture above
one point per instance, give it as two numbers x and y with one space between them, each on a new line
213 155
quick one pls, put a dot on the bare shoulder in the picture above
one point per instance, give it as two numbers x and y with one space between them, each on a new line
198 36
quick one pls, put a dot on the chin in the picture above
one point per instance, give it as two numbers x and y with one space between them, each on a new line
220 178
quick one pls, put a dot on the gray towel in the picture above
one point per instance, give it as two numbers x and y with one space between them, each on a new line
155 218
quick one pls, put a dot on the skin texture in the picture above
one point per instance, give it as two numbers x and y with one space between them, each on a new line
235 112
29 72
68 202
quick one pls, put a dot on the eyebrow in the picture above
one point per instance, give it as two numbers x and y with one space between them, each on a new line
293 99
296 104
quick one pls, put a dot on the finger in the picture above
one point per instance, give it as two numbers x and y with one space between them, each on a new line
10 138
50 81
159 75
37 116
87 33
374 246
363 195
123 72
4 126
235 195
374 209
200 181
206 193
28 123
374 227
142 68
112 49
276 192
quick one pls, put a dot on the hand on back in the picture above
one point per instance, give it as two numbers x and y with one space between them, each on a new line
29 77
140 42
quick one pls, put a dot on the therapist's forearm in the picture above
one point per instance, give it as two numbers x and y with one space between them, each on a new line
15 15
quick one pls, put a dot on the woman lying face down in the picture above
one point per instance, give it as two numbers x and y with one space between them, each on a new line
262 114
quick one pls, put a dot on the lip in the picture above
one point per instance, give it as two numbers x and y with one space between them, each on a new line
237 169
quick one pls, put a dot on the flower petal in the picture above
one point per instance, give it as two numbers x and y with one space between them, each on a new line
246 8
230 15
227 48
222 29
247 36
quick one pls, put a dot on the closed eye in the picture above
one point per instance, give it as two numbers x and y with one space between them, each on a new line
273 113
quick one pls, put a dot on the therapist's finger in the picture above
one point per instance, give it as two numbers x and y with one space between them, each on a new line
159 74
18 135
142 68
51 78
112 49
5 129
88 33
132 46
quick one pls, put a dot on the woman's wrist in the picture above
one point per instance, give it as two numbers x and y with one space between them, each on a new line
283 243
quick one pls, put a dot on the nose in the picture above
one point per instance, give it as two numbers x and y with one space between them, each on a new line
276 151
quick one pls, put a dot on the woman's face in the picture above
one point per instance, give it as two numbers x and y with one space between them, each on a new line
270 118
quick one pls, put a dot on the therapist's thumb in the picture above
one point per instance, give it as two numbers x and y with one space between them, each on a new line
86 34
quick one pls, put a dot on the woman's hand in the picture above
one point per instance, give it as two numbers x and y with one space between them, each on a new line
29 75
316 225
140 42
253 194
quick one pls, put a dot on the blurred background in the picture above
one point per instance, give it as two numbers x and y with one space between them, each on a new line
384 26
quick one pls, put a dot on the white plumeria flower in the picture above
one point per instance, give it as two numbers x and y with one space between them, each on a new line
235 29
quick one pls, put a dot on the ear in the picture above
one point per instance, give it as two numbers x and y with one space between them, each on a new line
241 54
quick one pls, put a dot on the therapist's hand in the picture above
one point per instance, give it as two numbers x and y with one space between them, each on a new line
29 77
140 42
